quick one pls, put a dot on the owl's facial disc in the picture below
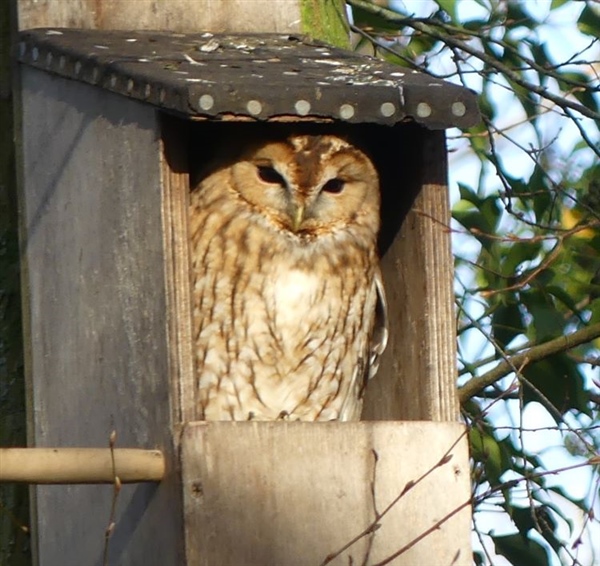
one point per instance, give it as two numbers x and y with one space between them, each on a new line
309 185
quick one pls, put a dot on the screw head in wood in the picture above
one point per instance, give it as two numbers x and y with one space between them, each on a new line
254 107
206 102
423 110
346 111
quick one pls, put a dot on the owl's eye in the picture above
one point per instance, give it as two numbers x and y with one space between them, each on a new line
270 175
334 186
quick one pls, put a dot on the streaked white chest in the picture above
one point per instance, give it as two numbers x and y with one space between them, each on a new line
292 292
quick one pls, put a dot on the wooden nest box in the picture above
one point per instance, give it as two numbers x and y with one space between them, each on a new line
114 126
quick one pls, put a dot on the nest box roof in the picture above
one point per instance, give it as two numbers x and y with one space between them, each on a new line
248 77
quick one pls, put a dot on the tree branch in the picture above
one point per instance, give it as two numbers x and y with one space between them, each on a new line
509 73
534 354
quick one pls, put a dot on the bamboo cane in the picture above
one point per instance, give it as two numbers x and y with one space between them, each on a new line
80 465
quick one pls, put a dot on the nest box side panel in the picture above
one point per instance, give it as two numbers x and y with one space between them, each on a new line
267 494
175 141
94 282
417 377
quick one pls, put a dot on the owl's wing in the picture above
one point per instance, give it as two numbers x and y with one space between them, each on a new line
368 365
379 337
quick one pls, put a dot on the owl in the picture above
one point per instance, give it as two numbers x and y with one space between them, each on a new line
289 311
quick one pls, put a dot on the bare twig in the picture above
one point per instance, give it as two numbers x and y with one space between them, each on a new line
374 525
451 40
113 508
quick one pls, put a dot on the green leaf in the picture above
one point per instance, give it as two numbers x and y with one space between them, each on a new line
485 449
589 21
557 4
483 216
520 551
548 322
507 323
418 45
523 518
546 526
449 6
594 308
562 296
373 22
519 252
487 108
537 518
492 212
540 55
560 381
516 16
584 90
537 186
475 24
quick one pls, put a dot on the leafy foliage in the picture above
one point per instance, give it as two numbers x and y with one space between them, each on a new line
527 212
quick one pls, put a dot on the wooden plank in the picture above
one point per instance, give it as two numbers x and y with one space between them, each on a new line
323 20
93 252
176 15
417 378
175 142
267 494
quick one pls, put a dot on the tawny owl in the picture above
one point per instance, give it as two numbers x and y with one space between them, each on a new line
288 305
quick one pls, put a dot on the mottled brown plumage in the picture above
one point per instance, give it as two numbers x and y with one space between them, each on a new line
289 311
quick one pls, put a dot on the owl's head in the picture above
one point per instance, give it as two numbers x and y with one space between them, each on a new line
309 185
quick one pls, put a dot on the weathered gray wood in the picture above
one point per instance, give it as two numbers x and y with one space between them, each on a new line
175 15
94 277
269 494
323 20
417 378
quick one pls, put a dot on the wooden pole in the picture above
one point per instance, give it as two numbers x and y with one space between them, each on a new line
80 465
318 19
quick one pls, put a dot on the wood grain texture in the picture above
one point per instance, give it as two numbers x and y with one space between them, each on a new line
417 379
268 494
93 252
176 190
174 15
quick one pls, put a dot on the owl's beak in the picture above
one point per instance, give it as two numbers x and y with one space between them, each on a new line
298 217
